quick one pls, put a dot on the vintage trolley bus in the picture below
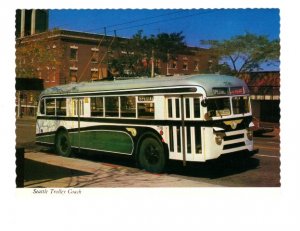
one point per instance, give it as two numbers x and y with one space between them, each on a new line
187 118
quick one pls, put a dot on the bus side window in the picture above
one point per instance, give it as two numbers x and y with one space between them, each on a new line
170 108
97 106
42 106
146 110
177 108
74 105
187 108
197 113
112 106
128 108
50 106
61 108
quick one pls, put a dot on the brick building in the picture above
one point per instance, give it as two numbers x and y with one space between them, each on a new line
60 56
265 94
84 57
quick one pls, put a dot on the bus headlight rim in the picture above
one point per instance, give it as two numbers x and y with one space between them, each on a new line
250 134
218 139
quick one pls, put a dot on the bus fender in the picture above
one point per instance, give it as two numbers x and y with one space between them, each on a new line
153 134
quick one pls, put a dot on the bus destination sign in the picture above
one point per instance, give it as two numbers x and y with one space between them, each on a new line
236 90
145 98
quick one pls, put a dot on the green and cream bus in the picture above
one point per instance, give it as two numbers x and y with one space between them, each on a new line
186 118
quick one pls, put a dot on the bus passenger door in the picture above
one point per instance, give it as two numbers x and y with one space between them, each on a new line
184 128
77 112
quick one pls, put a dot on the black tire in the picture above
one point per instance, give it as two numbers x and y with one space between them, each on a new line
151 155
63 144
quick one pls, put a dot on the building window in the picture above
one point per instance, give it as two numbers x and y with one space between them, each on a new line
53 74
185 65
95 55
73 53
174 65
94 74
196 66
73 75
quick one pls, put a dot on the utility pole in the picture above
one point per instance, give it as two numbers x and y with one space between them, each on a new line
152 64
106 55
168 58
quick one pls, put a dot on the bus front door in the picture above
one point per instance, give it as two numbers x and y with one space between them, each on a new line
185 129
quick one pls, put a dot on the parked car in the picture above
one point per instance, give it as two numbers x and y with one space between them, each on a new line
258 129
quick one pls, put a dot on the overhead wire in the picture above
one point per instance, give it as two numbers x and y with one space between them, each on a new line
119 24
130 27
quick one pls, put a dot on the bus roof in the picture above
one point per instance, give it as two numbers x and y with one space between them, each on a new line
206 81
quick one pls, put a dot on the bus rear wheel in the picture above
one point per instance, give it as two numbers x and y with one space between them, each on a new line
63 144
151 155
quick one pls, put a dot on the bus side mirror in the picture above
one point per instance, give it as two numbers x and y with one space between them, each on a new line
204 103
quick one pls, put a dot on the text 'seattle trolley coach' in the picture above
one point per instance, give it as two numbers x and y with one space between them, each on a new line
188 118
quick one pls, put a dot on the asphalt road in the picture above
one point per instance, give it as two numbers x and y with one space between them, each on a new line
44 169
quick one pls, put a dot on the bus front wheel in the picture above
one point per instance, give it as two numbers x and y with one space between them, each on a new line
151 155
62 144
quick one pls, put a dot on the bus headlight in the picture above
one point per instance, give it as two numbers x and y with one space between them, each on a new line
219 139
250 134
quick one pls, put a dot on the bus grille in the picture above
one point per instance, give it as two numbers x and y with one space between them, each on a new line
234 145
234 137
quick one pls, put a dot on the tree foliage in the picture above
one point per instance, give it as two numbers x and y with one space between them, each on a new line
135 55
36 54
245 53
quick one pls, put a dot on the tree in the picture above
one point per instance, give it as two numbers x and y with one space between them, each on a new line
166 47
128 56
136 54
245 53
35 54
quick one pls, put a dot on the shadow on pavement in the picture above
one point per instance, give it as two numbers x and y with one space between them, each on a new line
37 172
214 169
114 159
211 169
229 165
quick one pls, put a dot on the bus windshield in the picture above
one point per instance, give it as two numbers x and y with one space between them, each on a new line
240 104
218 107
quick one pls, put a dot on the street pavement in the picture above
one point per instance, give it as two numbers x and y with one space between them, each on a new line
56 171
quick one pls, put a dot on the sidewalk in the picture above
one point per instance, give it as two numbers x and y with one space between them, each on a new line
48 170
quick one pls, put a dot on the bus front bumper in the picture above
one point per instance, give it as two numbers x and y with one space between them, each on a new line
239 154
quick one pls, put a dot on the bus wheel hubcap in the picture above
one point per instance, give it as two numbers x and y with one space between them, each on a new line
152 155
64 144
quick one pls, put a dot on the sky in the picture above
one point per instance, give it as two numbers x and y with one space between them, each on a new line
196 24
